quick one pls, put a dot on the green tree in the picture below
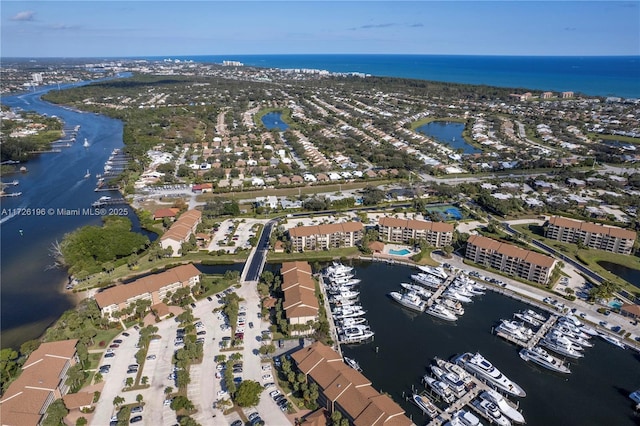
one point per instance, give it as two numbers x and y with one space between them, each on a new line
81 421
248 393
181 402
139 398
75 377
56 412
129 382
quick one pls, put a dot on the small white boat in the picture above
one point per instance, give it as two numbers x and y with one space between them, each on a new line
528 319
463 418
503 405
441 312
491 411
436 271
419 290
440 388
352 363
87 175
453 294
409 300
425 405
86 143
613 340
427 280
515 329
545 359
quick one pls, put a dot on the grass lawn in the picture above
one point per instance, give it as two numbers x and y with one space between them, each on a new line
588 257
94 360
105 336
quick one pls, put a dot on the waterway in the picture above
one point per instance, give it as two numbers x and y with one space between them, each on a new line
628 274
273 120
596 393
32 293
448 133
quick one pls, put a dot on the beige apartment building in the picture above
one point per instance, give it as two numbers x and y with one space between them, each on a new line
592 235
321 237
510 259
152 287
436 234
180 231
41 382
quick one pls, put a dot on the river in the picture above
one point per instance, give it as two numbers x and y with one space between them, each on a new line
596 393
32 293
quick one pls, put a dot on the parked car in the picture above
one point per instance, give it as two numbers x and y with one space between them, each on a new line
125 334
135 419
150 357
137 409
250 324
110 355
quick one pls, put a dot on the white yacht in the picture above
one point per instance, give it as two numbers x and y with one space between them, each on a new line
419 290
477 364
435 271
346 295
563 339
491 411
441 312
575 336
535 315
352 363
427 280
455 383
462 289
343 280
463 418
452 305
425 405
574 324
528 319
503 405
348 322
453 294
409 300
338 268
440 388
348 312
515 329
356 333
543 358
562 347
613 340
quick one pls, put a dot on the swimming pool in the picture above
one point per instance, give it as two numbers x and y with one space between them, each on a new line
616 304
402 252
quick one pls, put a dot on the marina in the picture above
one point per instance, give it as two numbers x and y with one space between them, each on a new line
393 369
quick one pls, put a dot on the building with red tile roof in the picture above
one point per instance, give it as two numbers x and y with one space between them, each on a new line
510 259
436 234
343 389
167 212
41 382
180 231
300 303
321 237
153 287
592 235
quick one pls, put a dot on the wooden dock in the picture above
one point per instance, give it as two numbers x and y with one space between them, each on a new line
438 293
332 324
534 339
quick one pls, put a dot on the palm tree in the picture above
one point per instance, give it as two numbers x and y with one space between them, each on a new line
117 401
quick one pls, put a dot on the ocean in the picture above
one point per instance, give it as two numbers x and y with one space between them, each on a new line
589 75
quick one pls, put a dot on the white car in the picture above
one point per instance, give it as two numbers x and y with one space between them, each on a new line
167 402
267 377
222 394
266 367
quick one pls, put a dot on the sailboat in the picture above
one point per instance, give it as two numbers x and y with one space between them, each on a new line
86 143
87 175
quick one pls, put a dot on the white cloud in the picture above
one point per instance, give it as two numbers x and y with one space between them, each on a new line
27 15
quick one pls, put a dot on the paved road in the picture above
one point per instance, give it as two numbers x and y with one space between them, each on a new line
256 263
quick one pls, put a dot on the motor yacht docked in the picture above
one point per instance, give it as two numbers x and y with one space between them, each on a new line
427 280
515 329
425 405
544 359
503 405
419 290
440 388
409 300
491 411
561 347
482 368
441 312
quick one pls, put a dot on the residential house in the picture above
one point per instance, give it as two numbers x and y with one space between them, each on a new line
510 259
155 288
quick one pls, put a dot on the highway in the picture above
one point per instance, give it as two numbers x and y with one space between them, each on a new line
255 265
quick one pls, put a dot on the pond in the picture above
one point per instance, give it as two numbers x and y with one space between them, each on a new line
628 274
273 120
448 133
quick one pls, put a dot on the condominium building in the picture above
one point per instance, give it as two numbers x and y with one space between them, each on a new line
321 237
300 303
343 389
41 382
436 234
180 231
154 287
592 235
510 259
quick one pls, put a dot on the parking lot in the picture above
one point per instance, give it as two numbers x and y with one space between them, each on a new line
236 232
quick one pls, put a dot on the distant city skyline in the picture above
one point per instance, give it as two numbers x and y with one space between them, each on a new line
173 28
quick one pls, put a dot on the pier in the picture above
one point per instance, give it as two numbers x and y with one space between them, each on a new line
534 339
111 202
332 324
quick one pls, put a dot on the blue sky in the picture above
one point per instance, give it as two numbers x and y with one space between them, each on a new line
171 28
